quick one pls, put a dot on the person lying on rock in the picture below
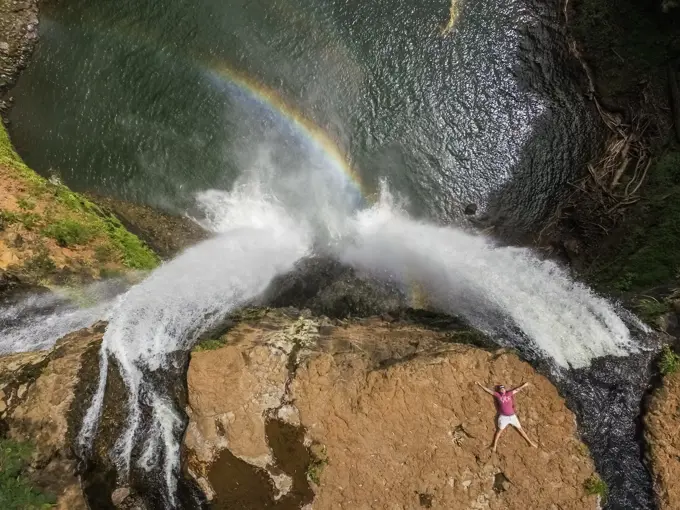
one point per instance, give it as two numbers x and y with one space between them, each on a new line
505 403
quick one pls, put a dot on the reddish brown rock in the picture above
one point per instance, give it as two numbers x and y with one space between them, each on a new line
662 433
391 415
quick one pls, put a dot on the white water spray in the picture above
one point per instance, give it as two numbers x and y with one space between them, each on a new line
499 289
257 240
38 321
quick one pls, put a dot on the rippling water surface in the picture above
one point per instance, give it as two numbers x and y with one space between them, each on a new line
139 98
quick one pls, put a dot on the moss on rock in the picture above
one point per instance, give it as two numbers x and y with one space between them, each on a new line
48 230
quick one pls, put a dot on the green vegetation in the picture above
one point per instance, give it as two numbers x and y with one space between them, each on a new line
319 462
68 232
647 255
626 41
104 253
26 204
596 486
669 362
40 265
16 490
28 220
210 344
649 309
69 218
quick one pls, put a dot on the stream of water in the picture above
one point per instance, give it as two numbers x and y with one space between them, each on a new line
280 126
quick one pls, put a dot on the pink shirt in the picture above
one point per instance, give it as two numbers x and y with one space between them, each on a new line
506 403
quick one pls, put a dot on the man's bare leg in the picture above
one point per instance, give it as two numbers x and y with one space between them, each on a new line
524 435
495 438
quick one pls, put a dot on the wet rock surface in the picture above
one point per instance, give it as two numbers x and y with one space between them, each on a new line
164 233
390 418
662 424
36 393
18 36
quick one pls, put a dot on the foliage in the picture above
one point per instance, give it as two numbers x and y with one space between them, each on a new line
27 219
646 256
68 232
16 490
70 218
26 204
651 309
669 362
40 264
596 486
104 253
319 462
210 344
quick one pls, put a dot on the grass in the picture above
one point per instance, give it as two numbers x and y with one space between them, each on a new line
40 265
68 232
26 204
650 309
69 218
669 362
16 490
596 486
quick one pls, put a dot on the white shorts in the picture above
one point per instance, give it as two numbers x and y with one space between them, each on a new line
504 421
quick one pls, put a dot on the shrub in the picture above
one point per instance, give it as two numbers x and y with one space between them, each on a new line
69 232
104 253
319 461
596 486
650 309
669 362
16 490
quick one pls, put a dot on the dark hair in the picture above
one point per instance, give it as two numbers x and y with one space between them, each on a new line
499 387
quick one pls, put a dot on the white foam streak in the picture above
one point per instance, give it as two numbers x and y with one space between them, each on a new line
496 288
186 297
38 321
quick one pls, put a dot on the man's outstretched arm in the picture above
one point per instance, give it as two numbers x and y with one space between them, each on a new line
490 392
520 388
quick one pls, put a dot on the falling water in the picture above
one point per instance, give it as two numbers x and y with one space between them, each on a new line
501 290
496 288
167 312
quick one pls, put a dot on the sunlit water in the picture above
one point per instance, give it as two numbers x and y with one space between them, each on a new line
137 98
147 100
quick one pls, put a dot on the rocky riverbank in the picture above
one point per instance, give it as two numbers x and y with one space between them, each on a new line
290 411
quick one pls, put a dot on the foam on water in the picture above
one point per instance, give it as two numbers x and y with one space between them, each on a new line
38 321
257 240
507 292
499 289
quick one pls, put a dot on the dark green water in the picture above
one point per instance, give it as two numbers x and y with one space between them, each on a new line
120 99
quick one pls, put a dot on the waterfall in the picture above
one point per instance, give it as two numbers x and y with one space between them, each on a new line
256 240
500 290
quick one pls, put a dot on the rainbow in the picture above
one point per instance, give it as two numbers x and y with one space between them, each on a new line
303 125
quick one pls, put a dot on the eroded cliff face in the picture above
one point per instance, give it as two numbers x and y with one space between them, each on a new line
291 411
37 391
18 35
662 433
377 414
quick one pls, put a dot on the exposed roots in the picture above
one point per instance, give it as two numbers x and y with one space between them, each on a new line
599 199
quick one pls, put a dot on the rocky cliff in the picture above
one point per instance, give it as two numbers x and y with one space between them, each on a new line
662 433
290 411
